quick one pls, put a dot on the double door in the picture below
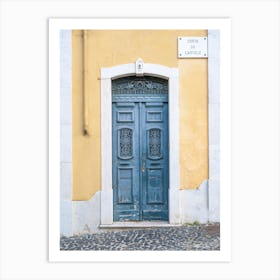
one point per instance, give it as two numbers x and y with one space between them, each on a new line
140 160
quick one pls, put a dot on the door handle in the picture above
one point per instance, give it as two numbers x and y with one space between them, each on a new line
143 165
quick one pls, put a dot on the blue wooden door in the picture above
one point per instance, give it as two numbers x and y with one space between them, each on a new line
140 148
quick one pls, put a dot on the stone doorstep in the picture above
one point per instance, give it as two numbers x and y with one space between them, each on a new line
142 224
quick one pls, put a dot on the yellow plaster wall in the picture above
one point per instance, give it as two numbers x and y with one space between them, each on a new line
107 48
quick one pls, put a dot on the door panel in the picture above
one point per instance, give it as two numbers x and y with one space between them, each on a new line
155 186
125 186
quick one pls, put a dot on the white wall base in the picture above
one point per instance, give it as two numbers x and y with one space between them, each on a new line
214 200
194 204
65 199
198 205
202 204
86 215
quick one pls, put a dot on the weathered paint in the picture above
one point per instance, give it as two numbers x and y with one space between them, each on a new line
107 48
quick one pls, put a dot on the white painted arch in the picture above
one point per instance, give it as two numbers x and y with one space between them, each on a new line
107 75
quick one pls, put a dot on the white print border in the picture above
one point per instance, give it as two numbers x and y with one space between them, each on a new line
224 26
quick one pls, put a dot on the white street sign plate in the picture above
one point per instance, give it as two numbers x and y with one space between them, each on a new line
192 47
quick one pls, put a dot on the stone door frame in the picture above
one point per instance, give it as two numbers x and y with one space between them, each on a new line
132 69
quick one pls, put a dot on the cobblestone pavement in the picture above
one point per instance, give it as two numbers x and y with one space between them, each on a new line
189 237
